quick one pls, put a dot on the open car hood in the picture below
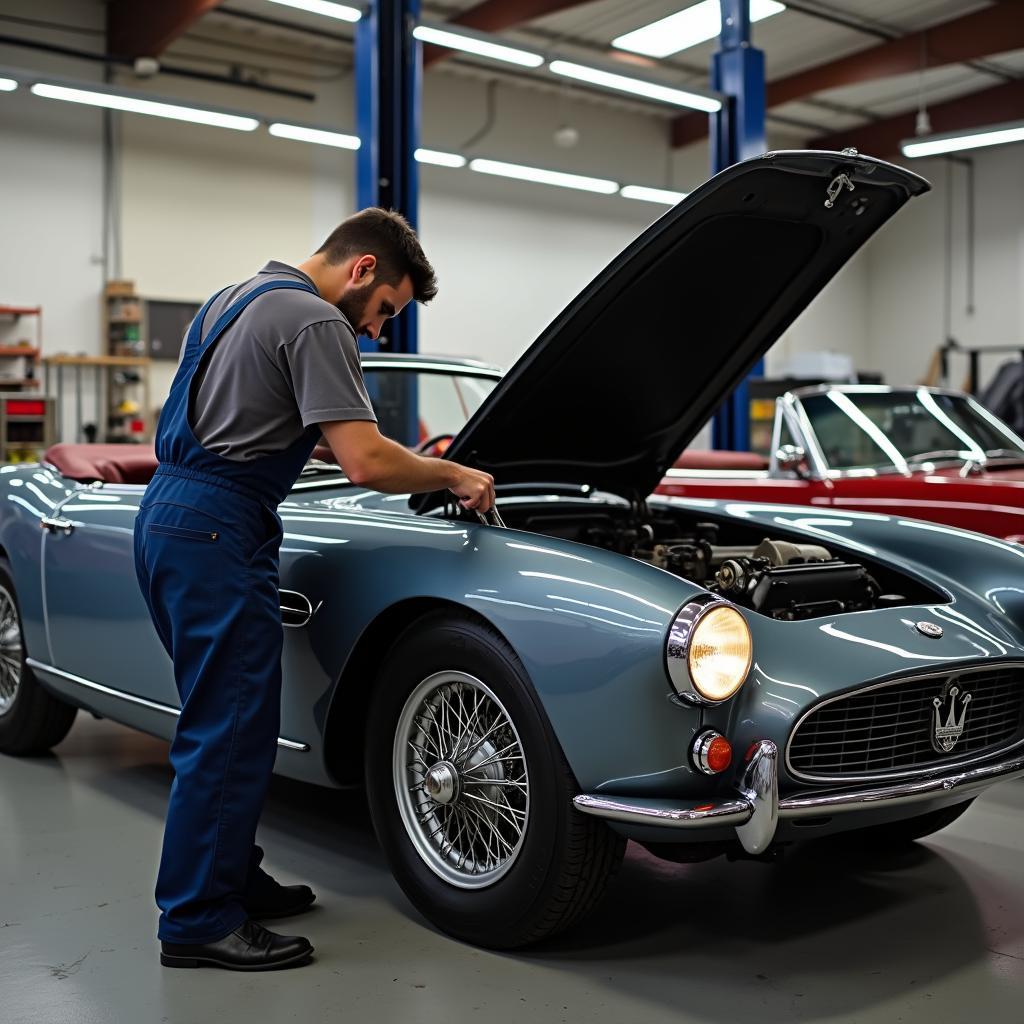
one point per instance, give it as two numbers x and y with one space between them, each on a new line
629 372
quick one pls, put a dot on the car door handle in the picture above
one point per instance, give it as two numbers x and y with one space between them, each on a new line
53 524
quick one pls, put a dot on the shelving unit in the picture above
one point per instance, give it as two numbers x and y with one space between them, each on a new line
26 427
15 375
122 375
122 320
113 423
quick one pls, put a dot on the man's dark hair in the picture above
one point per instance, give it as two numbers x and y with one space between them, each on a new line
388 236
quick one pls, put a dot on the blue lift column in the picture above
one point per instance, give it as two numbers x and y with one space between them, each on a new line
737 132
389 70
388 79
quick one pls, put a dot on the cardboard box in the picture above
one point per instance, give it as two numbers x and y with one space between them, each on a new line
115 288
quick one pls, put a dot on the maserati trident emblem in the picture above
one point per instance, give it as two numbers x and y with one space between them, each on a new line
929 629
946 731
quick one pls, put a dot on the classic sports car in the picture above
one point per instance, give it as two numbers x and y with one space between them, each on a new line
925 452
522 695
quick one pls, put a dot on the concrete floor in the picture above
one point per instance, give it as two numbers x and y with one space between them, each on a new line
935 935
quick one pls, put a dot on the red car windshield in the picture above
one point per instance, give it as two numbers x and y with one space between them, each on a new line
896 430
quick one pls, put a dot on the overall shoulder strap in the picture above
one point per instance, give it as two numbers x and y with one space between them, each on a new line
195 331
229 316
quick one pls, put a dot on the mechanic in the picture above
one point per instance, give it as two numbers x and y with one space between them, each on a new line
266 367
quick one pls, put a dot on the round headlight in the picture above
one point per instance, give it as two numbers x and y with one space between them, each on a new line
709 652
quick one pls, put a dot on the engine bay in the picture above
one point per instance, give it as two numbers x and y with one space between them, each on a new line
779 576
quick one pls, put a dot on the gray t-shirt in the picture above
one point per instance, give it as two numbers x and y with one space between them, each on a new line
290 360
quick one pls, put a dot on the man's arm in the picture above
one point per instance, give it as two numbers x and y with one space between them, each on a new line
371 460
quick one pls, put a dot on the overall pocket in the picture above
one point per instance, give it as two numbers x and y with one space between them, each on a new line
184 532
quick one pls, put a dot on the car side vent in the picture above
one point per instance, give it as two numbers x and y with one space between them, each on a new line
296 609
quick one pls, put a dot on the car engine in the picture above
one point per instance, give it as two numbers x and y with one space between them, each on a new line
779 578
782 577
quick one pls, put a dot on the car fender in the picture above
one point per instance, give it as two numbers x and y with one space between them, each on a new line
588 625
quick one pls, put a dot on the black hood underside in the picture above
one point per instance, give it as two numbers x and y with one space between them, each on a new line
629 372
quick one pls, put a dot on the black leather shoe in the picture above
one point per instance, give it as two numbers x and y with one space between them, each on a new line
279 901
250 947
265 898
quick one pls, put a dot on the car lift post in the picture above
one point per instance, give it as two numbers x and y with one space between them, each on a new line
389 72
388 89
737 133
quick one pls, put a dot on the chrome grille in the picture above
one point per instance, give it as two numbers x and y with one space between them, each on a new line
888 728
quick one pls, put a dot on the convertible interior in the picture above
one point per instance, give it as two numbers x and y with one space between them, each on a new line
136 464
110 463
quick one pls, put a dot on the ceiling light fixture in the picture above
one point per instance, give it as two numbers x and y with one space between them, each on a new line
136 105
301 133
538 174
8 85
951 142
652 195
341 12
636 86
435 156
478 44
687 28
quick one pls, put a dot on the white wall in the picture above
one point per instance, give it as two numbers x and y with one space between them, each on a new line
51 177
906 269
51 189
201 207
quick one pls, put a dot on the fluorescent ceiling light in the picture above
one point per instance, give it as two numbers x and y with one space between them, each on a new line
342 12
652 195
637 86
318 135
134 105
950 142
538 174
8 85
434 156
687 28
476 44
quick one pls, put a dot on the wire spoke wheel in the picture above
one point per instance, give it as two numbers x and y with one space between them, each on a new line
10 651
461 780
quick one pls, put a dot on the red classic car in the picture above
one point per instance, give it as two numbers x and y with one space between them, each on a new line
923 453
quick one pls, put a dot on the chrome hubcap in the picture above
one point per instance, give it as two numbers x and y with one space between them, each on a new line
441 782
10 652
460 780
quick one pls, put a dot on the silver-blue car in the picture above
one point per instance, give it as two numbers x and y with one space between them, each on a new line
592 664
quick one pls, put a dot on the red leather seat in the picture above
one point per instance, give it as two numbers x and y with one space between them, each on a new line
111 463
694 459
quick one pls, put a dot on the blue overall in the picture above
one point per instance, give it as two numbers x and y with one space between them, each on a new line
207 538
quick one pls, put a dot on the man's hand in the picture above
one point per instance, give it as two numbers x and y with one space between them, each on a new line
371 460
474 489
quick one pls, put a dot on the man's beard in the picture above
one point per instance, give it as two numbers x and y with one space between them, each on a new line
354 304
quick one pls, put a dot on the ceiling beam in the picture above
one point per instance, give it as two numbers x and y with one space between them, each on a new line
882 138
146 30
998 28
497 15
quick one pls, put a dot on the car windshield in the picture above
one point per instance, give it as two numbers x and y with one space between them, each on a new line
899 430
418 406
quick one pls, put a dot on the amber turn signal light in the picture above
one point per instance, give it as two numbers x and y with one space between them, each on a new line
712 752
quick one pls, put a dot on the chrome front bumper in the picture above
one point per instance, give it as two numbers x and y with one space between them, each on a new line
757 809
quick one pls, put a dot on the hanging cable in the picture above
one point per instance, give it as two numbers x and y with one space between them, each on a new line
490 118
970 242
947 291
922 123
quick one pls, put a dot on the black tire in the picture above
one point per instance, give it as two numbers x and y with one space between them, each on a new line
909 830
564 860
35 720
